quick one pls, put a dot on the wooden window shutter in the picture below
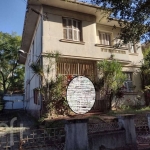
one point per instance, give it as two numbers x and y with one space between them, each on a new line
80 31
64 22
69 23
72 29
36 95
64 28
65 33
70 33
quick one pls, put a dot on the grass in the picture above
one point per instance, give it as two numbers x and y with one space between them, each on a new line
129 110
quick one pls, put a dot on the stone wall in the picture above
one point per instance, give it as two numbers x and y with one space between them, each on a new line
110 140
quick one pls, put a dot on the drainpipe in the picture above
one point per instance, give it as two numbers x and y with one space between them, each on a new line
41 56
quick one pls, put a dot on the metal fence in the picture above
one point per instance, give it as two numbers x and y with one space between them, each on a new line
49 138
142 129
53 138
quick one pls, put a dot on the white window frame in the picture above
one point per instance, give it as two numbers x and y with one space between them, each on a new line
72 28
128 82
132 48
105 38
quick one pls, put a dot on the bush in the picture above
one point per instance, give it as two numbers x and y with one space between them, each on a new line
2 103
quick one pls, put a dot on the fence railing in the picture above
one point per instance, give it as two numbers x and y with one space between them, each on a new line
102 127
49 137
142 129
52 138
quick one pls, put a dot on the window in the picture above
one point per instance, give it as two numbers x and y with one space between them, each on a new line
36 96
72 29
27 90
105 38
132 48
76 67
128 82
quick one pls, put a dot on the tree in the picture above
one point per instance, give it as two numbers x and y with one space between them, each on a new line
133 17
145 76
111 78
11 73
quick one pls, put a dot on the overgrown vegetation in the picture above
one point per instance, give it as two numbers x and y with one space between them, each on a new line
129 110
131 15
145 76
110 80
52 89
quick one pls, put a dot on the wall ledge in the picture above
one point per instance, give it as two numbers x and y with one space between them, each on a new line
134 54
71 41
108 46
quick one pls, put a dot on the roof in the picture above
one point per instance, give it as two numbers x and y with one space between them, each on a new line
32 16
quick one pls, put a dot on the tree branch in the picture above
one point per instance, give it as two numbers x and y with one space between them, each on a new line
2 76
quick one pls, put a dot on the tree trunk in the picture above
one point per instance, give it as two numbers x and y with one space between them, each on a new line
110 100
147 98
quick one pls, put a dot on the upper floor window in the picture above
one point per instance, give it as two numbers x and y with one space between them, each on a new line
132 48
72 29
105 38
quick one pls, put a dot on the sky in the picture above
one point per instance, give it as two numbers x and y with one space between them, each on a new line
12 14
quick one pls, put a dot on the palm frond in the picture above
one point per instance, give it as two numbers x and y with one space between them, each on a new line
37 69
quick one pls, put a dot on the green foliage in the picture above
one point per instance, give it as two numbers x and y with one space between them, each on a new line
51 89
129 110
50 57
146 52
55 100
2 104
11 73
37 69
110 80
131 15
111 72
145 76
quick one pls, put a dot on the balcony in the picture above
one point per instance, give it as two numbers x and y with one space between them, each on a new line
120 54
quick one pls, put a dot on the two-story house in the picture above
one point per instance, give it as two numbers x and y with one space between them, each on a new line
82 34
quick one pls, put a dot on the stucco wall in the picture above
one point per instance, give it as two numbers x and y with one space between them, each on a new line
53 33
51 41
108 140
32 80
15 101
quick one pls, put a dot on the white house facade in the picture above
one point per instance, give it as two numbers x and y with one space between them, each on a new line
82 36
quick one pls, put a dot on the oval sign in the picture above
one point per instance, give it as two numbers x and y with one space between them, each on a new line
81 94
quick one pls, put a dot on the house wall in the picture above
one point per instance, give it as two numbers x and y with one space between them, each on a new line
32 80
15 101
48 37
53 34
